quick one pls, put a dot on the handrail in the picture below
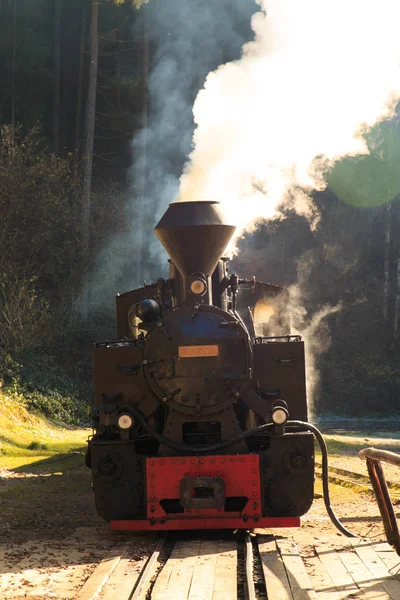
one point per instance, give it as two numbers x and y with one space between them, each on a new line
374 458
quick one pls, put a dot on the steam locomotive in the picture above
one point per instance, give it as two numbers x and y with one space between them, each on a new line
198 402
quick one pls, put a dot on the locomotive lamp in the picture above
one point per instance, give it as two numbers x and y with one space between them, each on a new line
198 285
279 415
125 421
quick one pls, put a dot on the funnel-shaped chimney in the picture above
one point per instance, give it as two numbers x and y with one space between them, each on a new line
195 235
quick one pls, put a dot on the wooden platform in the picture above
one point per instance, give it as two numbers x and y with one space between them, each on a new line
351 568
199 570
324 568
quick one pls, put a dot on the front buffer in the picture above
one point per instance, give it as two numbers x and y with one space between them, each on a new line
204 492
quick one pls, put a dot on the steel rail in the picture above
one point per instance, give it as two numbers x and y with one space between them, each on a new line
250 587
140 590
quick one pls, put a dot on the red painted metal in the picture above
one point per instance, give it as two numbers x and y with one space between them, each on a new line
205 523
241 474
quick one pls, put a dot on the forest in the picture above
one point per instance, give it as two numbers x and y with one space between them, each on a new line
96 124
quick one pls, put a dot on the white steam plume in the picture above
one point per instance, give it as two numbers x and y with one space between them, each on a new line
316 72
315 330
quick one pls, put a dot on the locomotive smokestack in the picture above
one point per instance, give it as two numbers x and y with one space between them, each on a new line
195 235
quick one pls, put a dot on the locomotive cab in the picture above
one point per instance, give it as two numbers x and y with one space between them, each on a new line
192 400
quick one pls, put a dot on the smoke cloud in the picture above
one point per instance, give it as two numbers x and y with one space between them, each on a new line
262 128
315 77
313 325
187 40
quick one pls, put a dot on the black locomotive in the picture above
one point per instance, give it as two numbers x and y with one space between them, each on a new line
198 402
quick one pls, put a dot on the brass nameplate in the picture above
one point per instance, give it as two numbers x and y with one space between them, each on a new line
196 351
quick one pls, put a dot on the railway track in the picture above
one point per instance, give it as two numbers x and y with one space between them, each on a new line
206 566
254 568
182 568
195 569
356 481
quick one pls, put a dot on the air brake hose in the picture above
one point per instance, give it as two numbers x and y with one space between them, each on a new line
325 484
187 447
242 436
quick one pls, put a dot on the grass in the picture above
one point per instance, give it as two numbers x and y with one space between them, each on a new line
27 438
353 441
343 449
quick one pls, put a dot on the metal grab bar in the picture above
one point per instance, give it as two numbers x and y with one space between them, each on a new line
374 458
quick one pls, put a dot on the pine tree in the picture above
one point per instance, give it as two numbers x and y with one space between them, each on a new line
89 145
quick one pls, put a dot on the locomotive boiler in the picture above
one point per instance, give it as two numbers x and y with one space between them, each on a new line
200 402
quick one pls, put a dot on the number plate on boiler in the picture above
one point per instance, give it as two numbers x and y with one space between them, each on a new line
196 351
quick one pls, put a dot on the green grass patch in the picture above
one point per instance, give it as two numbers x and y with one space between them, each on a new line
352 442
27 438
37 446
41 385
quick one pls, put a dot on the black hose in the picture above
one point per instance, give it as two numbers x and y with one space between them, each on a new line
243 435
187 447
325 484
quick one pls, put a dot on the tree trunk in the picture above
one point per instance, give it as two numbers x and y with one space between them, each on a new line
56 75
142 160
118 74
14 68
386 262
88 156
78 116
397 303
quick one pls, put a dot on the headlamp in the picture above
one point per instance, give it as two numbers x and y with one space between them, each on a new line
279 415
125 421
198 287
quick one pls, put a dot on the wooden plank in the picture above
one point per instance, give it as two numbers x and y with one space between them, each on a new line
366 551
276 581
180 578
163 578
321 581
362 576
336 570
389 557
123 579
202 585
225 578
299 580
92 587
356 568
